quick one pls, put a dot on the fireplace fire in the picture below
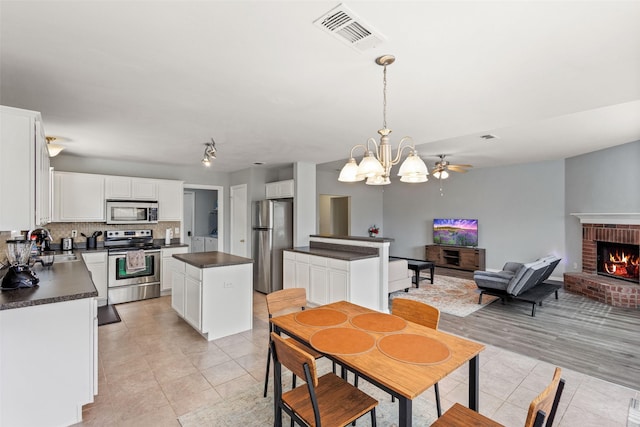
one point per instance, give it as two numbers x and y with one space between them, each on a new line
618 260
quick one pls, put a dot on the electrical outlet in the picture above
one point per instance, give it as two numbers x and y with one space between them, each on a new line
74 233
575 265
177 231
228 284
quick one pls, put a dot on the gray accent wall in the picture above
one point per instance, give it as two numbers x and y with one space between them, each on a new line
604 181
520 211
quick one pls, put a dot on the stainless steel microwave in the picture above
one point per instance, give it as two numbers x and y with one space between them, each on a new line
132 212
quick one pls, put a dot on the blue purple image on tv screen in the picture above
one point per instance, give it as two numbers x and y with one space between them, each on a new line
455 231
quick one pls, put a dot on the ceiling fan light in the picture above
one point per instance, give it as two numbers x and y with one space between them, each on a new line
54 149
413 165
206 161
378 180
441 174
370 166
349 172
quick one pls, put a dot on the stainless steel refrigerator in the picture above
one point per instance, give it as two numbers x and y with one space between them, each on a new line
272 232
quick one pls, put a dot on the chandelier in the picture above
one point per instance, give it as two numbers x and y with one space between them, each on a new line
378 158
209 153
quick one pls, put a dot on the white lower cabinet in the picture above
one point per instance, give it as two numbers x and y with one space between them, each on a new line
329 280
318 280
296 271
96 263
167 266
193 296
47 363
177 286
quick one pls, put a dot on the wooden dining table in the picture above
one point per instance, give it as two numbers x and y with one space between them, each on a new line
398 356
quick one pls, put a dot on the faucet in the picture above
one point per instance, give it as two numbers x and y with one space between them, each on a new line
39 239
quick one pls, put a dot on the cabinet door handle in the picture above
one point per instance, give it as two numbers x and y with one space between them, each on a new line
242 241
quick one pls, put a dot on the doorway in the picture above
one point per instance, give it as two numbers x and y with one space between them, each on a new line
334 215
207 223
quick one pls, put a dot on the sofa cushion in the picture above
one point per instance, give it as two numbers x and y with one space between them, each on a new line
526 277
498 280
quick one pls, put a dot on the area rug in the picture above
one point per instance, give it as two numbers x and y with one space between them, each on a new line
451 295
107 314
249 409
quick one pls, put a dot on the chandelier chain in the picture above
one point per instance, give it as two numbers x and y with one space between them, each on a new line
384 97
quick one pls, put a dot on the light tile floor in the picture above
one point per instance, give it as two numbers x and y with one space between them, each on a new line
153 368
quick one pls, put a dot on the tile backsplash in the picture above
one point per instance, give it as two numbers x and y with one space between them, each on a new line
63 229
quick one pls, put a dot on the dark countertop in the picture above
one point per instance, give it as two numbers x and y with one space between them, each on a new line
212 259
332 253
356 238
63 281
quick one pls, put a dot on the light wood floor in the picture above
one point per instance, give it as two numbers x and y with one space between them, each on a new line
574 331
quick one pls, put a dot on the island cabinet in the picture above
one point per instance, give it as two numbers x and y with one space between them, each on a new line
328 280
96 263
213 292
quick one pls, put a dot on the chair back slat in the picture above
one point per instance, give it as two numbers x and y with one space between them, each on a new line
416 312
292 298
544 402
294 358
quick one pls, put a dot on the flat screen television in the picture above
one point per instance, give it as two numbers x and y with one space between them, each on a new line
455 231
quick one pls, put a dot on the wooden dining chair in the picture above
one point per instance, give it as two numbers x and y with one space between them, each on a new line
327 401
422 314
283 301
542 410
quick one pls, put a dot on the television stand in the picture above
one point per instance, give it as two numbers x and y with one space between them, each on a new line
458 257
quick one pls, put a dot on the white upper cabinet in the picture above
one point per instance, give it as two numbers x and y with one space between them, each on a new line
128 188
24 170
169 200
78 197
280 189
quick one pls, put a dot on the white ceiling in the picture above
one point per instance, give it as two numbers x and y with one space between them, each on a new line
153 81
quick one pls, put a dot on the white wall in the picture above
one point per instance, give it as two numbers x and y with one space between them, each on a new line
520 211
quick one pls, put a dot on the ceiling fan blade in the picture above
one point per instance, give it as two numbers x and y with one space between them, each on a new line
462 166
456 169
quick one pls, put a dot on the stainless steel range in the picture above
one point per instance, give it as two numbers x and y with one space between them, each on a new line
125 282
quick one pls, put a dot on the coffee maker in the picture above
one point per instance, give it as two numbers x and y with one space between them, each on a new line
19 274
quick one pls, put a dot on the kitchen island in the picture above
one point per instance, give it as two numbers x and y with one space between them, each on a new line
213 292
335 268
48 347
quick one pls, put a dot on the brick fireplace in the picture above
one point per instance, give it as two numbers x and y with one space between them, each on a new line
606 288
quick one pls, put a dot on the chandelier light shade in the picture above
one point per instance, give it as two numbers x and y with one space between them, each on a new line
54 149
209 153
378 158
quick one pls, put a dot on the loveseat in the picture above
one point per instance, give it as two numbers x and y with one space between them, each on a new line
519 281
399 275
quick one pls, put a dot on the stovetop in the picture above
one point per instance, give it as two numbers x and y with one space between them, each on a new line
129 240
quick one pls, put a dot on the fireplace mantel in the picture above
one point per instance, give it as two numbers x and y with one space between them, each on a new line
608 218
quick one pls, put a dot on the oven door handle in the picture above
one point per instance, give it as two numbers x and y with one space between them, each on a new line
146 252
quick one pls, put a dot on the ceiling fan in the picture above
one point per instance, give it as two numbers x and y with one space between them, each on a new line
442 168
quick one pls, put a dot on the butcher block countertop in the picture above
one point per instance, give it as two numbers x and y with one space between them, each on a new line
212 259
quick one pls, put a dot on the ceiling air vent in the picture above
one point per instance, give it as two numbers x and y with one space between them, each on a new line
349 28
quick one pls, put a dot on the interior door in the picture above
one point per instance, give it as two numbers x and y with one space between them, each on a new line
188 218
238 240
